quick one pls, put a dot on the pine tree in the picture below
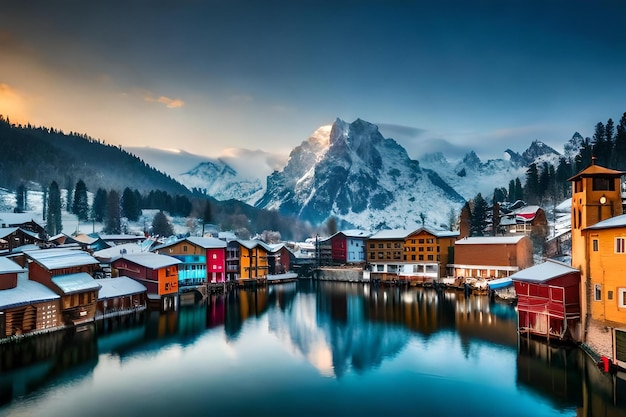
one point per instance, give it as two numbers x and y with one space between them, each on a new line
511 198
53 220
495 219
620 144
531 191
161 226
113 224
130 205
20 199
98 208
68 196
478 222
519 190
206 215
81 204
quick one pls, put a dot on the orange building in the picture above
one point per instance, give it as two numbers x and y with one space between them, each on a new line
158 273
247 260
491 257
430 250
598 235
386 245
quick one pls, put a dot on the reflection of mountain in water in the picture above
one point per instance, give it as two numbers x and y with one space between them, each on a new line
329 328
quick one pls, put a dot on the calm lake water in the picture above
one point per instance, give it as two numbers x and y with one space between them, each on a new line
307 349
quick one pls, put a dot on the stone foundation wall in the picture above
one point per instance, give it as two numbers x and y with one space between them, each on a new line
341 274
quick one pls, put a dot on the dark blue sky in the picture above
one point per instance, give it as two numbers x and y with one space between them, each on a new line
204 76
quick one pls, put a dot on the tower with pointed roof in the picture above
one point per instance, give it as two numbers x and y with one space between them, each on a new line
596 198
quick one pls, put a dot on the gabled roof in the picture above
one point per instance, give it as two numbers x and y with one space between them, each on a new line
543 272
597 170
151 260
203 242
391 234
251 244
118 287
61 258
7 266
610 223
17 219
7 231
116 252
26 292
73 283
353 233
436 233
527 213
490 240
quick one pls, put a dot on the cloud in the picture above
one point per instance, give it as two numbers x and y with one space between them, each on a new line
170 103
253 163
400 131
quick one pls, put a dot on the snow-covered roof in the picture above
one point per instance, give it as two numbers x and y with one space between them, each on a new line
118 287
391 234
613 222
17 218
543 272
61 258
490 240
115 252
227 236
26 292
207 242
526 213
6 231
73 283
121 237
354 233
7 266
86 239
151 260
437 233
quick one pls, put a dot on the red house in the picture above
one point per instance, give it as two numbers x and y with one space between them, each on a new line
348 246
158 273
548 303
203 259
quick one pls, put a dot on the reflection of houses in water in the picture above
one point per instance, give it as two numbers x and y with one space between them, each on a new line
329 328
36 362
241 305
428 311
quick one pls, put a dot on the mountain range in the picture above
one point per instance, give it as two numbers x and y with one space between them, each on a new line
349 171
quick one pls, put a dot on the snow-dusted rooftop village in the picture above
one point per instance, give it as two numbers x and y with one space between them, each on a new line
85 274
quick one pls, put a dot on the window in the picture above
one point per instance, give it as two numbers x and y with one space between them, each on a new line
372 255
380 246
421 241
595 245
412 257
602 184
430 257
621 299
609 295
372 246
388 245
184 248
619 244
430 241
421 257
598 292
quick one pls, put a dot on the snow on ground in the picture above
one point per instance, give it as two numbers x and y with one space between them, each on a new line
72 226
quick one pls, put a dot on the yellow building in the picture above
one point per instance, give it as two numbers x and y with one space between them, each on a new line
596 197
247 260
